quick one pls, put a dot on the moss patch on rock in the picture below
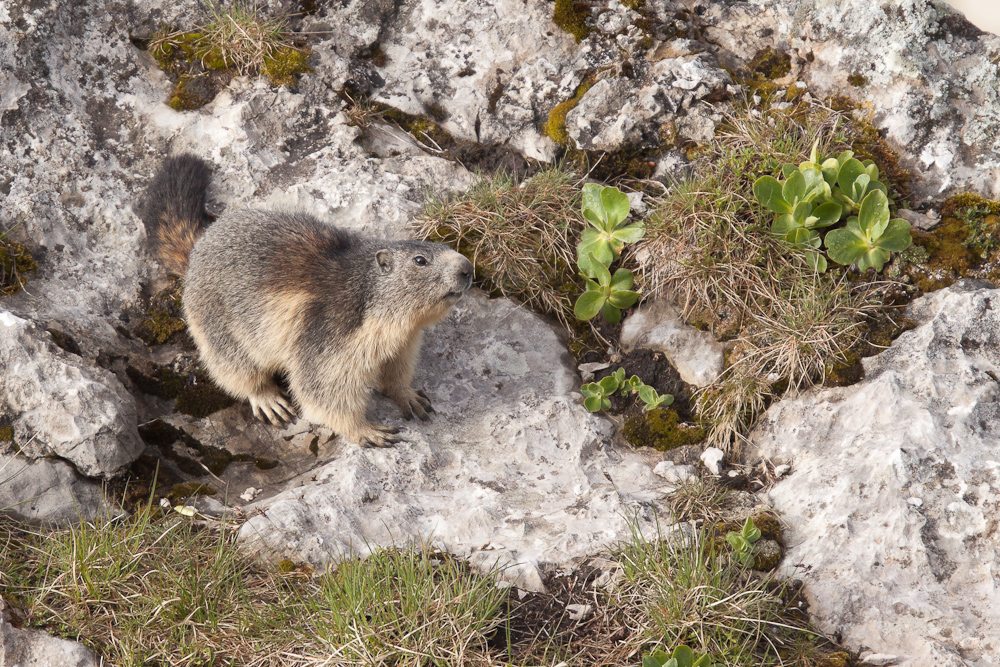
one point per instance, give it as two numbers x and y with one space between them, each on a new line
196 395
162 322
661 429
770 64
181 492
15 262
200 66
555 128
572 16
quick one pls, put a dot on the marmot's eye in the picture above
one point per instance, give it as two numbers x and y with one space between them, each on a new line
420 261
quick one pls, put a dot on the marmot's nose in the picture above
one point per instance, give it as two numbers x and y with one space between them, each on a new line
465 271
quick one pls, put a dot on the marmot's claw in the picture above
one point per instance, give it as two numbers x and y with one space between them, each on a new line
382 436
272 409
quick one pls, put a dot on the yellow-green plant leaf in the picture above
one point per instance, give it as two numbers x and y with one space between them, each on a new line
611 314
767 190
588 305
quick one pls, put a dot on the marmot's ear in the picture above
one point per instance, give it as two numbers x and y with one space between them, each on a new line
384 259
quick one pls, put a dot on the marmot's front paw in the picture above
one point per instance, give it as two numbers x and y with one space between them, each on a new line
272 408
414 403
377 435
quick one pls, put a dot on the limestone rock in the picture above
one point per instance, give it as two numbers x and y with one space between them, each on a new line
894 490
48 490
928 75
34 648
511 458
59 406
620 111
696 355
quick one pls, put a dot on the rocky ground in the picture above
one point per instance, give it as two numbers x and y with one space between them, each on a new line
891 498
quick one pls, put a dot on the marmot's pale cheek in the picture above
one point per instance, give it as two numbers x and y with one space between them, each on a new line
267 292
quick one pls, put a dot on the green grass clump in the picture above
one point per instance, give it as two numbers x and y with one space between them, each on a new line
155 589
689 589
236 40
520 238
709 244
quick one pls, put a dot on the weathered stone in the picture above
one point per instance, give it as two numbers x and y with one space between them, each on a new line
511 459
922 221
928 76
33 648
895 485
620 111
48 490
697 355
59 406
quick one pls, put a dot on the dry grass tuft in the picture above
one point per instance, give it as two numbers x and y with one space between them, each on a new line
521 238
709 246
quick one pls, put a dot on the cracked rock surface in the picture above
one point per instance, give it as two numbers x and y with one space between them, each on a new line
892 500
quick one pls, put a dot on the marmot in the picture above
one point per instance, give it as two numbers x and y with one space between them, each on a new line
270 292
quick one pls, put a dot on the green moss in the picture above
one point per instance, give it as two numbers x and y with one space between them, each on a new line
286 565
183 491
422 129
15 262
857 80
949 258
259 462
286 65
767 555
769 526
202 398
162 322
845 372
555 128
770 64
660 429
634 5
191 92
572 17
7 433
838 659
954 205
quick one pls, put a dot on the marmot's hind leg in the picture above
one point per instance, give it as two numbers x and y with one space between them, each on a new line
339 403
235 373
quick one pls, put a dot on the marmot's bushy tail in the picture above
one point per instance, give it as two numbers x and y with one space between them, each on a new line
173 209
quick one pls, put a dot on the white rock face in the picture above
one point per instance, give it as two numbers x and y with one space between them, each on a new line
34 648
511 468
697 356
48 490
894 494
932 81
61 406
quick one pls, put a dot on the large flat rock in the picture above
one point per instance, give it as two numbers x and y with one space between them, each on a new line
511 468
894 493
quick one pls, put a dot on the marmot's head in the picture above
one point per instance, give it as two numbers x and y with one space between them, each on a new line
424 277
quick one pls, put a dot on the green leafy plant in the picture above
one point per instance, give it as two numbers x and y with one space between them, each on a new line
605 209
870 236
682 656
743 541
606 294
596 394
817 194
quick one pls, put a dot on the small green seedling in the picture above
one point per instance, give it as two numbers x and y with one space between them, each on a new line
596 393
605 208
606 294
743 541
682 656
870 236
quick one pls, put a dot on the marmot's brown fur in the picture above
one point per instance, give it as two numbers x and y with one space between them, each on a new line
267 293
